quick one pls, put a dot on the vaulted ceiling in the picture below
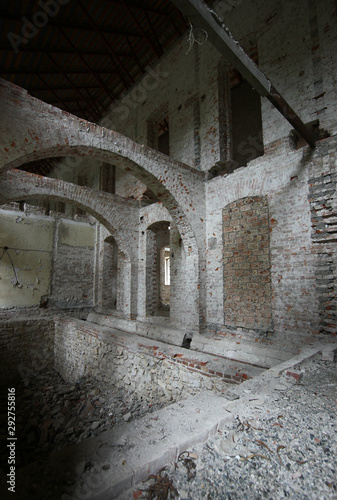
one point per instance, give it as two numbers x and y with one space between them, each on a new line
80 55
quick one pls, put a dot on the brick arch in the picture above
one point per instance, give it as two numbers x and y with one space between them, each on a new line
31 129
17 185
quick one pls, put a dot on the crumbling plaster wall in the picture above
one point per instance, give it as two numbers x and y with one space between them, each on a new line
73 265
123 280
178 186
30 247
182 296
118 215
296 44
53 259
297 47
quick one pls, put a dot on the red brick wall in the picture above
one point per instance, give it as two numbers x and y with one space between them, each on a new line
322 192
246 264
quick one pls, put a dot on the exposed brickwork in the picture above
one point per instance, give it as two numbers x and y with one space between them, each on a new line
322 193
109 285
179 187
85 349
119 215
246 264
152 285
296 44
73 275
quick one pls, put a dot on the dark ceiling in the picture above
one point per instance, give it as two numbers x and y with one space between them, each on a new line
81 55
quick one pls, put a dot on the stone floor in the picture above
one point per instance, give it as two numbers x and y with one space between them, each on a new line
281 446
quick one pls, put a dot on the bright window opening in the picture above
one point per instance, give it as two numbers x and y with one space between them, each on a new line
167 267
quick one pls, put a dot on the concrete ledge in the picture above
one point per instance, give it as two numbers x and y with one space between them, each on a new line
156 327
133 451
231 346
207 365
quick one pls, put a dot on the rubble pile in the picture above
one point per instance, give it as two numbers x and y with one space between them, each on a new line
52 414
281 444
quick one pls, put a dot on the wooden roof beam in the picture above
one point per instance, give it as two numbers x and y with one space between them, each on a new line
201 17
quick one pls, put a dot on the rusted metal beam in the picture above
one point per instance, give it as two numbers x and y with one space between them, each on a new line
202 17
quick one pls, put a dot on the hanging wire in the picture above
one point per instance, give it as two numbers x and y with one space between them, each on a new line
193 37
5 251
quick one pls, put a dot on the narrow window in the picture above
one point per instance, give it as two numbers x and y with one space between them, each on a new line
167 266
164 136
158 133
108 178
247 139
61 207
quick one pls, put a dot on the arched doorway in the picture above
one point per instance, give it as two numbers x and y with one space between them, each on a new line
158 269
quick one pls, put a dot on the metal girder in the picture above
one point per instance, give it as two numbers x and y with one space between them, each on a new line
157 51
201 17
73 25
